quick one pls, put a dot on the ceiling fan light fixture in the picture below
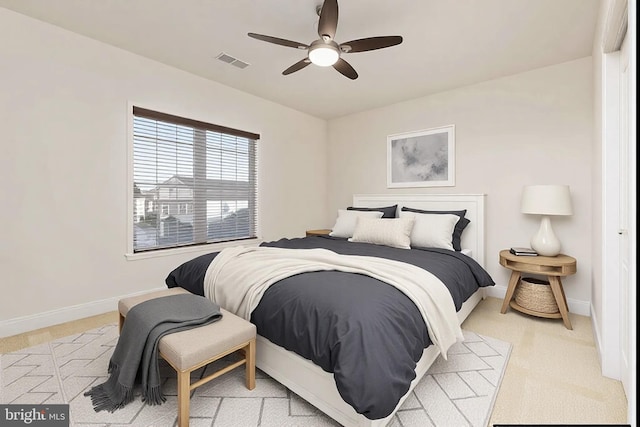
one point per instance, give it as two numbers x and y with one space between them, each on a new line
324 54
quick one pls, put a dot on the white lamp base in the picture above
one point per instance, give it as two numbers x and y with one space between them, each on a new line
545 242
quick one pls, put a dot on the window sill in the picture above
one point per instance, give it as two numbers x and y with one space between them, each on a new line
203 249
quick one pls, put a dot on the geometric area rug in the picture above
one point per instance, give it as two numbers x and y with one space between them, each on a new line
458 392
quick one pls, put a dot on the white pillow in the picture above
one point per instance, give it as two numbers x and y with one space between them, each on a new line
394 232
346 221
432 230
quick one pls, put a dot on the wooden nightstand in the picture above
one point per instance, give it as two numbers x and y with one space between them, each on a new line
321 232
552 267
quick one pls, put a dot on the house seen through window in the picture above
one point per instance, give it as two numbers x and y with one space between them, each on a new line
193 182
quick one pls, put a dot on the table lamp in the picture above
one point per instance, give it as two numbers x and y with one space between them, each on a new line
546 200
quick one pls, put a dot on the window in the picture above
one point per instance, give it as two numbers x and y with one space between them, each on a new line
193 182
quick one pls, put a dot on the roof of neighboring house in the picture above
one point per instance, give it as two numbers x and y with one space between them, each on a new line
224 189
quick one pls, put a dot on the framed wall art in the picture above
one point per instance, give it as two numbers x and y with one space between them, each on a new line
424 158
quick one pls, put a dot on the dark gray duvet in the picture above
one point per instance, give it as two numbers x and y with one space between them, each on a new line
368 333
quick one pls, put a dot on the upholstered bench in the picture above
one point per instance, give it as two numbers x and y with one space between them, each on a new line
194 348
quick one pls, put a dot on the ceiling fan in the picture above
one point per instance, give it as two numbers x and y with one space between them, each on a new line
325 51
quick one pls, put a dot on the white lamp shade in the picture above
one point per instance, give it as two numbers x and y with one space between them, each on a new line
546 200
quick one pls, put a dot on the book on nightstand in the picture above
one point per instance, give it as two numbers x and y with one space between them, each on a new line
523 252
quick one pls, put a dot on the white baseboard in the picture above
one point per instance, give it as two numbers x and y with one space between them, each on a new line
580 307
19 325
596 335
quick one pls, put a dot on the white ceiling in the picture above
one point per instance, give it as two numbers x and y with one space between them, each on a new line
447 43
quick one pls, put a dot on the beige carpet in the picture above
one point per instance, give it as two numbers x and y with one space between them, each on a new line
553 376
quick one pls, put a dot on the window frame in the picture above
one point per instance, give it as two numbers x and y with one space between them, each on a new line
204 247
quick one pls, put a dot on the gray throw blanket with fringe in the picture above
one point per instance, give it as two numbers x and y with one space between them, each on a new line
136 353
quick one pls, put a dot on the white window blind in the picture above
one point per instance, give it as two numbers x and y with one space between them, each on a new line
194 182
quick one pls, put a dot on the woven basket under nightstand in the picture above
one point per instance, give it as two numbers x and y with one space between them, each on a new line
535 294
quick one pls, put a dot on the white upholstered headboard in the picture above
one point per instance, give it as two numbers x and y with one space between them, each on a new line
473 235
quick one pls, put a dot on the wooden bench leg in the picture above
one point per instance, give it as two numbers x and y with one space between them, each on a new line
250 356
184 392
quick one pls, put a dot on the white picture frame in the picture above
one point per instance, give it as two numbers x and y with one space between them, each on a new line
424 158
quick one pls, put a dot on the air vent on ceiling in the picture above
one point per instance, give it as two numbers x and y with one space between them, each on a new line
231 60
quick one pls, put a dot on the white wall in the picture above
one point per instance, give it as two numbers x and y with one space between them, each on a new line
530 128
63 114
63 103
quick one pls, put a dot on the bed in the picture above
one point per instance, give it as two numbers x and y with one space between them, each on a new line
337 381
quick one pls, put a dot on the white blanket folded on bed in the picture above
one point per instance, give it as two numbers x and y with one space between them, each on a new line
237 278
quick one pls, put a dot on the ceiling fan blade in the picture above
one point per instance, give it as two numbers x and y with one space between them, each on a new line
328 19
345 69
297 66
276 40
370 43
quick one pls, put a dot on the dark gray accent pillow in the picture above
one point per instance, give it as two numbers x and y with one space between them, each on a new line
458 229
190 275
387 211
